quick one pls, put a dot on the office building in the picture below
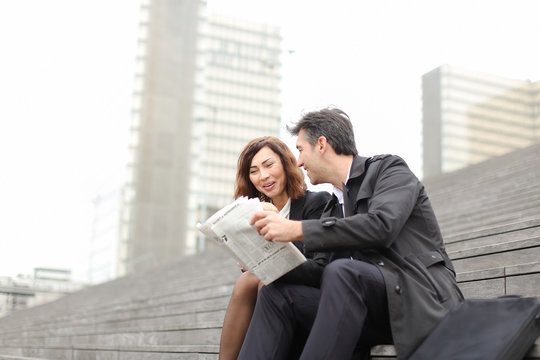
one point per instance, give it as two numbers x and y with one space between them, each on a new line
103 259
469 117
206 85
24 291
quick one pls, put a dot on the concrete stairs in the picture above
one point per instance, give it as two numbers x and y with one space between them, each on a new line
489 214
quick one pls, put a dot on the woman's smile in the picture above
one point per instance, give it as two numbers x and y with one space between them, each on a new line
269 185
266 173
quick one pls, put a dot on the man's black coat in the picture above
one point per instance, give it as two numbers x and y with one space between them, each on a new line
390 222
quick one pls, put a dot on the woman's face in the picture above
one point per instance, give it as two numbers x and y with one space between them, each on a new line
266 173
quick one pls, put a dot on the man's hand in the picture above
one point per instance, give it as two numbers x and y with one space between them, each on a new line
275 227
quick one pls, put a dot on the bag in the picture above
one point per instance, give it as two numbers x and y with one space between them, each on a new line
502 328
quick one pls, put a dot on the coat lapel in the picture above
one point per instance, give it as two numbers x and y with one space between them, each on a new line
356 176
297 206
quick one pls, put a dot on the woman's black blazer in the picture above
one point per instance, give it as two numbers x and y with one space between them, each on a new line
309 206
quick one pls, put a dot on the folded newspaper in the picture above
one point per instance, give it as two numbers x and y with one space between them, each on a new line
230 228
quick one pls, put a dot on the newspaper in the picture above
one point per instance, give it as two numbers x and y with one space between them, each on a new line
230 228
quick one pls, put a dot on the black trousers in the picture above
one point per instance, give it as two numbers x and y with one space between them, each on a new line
341 321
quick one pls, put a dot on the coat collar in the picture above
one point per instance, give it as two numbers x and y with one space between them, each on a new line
358 167
356 173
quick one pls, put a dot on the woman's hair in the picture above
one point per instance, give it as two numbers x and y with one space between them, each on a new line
295 184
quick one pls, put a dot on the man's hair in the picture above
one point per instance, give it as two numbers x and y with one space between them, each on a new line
332 123
295 185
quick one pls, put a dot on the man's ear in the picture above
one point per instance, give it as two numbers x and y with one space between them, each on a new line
322 143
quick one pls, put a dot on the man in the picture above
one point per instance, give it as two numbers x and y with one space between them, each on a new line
389 279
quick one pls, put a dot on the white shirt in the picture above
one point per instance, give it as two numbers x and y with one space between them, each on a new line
286 210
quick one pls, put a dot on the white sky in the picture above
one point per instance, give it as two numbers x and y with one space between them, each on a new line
66 76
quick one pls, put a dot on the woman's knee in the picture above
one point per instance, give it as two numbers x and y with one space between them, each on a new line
247 284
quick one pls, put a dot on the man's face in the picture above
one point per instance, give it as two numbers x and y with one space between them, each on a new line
309 158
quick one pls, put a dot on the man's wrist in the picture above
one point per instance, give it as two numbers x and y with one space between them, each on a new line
298 234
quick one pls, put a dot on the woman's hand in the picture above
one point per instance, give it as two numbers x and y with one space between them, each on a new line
241 267
269 206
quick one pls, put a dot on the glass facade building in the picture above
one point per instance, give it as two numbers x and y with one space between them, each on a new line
104 237
469 117
206 85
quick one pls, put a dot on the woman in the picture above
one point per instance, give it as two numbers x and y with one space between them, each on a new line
267 169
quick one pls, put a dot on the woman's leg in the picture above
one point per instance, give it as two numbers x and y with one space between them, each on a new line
238 315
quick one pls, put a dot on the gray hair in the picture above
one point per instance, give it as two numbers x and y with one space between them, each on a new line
332 123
